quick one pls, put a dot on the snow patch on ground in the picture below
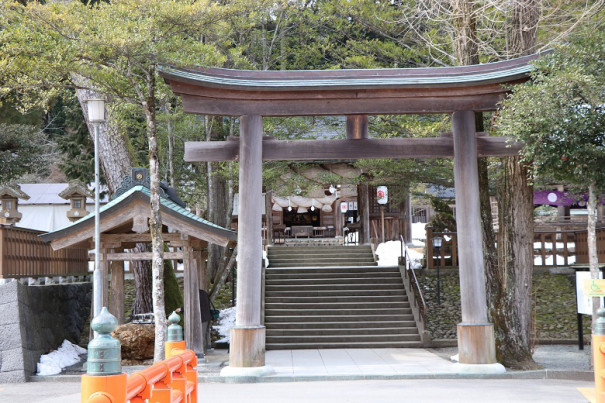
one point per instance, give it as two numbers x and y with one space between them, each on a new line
265 258
418 234
55 361
226 320
388 254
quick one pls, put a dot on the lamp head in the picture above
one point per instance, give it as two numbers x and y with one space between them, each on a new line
96 110
437 241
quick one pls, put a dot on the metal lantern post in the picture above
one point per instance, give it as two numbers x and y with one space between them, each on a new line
437 241
96 116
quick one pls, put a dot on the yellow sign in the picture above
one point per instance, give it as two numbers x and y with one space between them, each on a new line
594 288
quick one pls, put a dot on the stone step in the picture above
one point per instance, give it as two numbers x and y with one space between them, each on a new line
325 345
270 274
310 260
342 332
334 287
340 263
354 325
357 338
323 281
333 269
337 311
331 299
336 293
319 306
340 318
331 248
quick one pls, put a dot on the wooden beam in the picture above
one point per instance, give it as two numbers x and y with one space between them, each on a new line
142 256
115 238
368 148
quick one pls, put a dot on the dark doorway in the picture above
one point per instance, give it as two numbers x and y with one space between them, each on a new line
294 218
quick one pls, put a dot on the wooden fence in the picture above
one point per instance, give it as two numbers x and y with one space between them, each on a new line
551 248
582 246
393 228
24 254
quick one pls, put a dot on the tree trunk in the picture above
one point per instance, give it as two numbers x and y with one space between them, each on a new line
157 242
511 303
511 306
116 162
593 258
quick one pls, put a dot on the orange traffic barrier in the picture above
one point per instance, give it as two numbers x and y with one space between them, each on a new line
598 352
173 380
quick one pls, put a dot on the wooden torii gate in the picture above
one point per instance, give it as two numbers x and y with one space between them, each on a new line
459 91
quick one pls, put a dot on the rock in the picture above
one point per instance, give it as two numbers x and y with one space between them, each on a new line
136 340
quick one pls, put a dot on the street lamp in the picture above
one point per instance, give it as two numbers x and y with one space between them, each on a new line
437 241
96 116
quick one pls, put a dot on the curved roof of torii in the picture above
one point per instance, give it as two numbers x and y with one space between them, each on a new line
216 91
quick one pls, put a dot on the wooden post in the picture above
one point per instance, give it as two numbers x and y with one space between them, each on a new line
363 198
193 320
382 223
407 218
116 292
357 127
476 343
104 276
429 247
248 336
269 217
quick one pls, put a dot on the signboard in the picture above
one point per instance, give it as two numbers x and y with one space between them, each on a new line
344 207
382 195
352 205
594 288
584 299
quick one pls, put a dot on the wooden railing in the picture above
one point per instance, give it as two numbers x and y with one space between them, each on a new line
551 248
168 381
448 253
393 228
24 254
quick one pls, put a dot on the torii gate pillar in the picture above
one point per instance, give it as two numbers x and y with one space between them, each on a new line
247 346
475 334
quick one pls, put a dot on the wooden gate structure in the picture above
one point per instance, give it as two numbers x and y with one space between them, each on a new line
124 224
459 91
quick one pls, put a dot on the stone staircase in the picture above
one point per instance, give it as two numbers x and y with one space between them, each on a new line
335 297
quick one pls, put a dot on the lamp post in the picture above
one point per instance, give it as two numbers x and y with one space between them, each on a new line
96 116
437 241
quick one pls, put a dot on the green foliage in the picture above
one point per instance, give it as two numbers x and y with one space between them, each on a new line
67 127
443 220
173 298
23 150
560 113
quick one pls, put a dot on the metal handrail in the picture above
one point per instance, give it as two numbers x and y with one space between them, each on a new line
413 282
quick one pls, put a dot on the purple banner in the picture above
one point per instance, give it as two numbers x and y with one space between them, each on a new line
558 198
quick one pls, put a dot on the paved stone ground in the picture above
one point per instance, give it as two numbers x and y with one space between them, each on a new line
451 390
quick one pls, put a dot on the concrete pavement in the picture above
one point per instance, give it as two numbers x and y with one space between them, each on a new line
409 390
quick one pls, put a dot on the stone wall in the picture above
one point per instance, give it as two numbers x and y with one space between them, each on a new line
35 320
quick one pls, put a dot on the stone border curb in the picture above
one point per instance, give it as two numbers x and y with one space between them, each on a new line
215 378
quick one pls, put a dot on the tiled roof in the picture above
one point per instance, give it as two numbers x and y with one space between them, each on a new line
167 203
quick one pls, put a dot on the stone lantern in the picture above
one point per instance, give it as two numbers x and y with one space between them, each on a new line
76 193
9 197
